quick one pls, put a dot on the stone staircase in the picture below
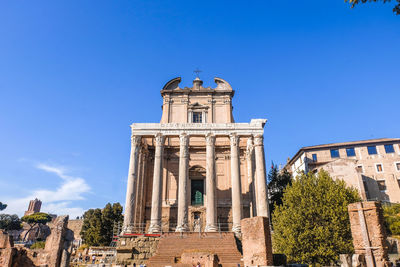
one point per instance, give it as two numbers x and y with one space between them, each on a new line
172 245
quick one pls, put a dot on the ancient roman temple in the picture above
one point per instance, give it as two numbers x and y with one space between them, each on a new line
196 170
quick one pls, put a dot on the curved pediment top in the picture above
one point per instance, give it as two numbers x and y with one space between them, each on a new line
222 85
197 169
172 84
198 105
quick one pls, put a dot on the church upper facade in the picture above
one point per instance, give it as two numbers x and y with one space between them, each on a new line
197 104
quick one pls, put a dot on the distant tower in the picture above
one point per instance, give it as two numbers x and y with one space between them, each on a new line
34 206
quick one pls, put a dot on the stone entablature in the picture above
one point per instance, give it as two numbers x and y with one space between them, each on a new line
255 127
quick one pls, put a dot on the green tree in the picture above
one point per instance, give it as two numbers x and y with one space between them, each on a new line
98 224
111 214
10 222
396 8
3 206
312 225
92 230
35 219
277 182
391 214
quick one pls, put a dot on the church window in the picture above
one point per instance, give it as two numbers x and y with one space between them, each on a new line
360 169
314 157
334 153
397 166
389 148
379 168
350 152
372 150
197 117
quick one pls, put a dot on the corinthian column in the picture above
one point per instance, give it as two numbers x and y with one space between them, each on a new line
131 186
182 225
211 208
236 184
250 175
262 195
155 220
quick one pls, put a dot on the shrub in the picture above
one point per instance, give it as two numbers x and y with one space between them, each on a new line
38 245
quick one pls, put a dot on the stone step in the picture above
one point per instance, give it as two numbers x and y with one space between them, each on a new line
172 245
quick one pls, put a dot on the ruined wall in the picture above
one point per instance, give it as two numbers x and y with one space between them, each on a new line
256 242
369 237
136 249
76 227
55 254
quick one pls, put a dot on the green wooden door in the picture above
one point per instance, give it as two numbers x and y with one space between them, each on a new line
197 192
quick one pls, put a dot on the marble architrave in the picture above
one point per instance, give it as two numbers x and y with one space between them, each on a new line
255 127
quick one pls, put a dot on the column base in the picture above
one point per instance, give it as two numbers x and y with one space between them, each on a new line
211 228
127 229
182 228
154 228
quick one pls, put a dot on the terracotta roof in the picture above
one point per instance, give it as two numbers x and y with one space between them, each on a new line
361 142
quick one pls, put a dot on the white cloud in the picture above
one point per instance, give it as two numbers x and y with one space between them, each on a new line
57 201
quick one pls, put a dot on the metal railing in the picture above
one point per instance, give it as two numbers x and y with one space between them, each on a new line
170 227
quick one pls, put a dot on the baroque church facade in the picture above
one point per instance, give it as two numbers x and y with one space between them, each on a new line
196 170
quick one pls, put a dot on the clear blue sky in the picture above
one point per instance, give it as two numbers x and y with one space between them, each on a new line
75 74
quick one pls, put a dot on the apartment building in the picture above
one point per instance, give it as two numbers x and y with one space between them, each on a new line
370 166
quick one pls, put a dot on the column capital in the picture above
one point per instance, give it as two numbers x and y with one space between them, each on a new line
135 140
210 139
159 138
184 139
234 139
258 140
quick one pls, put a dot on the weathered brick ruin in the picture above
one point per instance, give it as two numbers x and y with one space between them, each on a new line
135 249
55 254
369 237
256 242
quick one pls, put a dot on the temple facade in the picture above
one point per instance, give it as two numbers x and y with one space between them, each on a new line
196 170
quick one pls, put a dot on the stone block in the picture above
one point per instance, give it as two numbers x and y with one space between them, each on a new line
205 258
256 241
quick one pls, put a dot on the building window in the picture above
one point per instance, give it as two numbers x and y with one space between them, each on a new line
398 181
334 153
372 150
350 152
389 149
381 185
197 117
360 169
314 157
379 168
397 166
